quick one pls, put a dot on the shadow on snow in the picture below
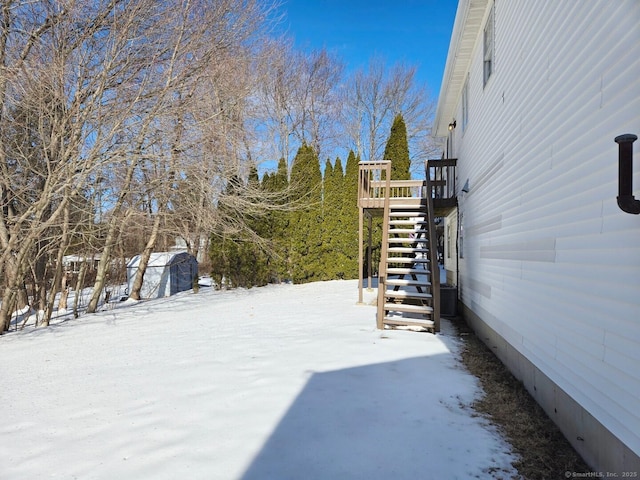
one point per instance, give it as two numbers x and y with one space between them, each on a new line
370 422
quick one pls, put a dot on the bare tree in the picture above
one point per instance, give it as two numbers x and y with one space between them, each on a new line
91 76
77 69
207 107
373 97
298 98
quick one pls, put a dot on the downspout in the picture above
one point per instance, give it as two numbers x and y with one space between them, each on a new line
626 200
457 250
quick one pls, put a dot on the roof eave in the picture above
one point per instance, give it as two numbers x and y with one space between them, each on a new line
464 36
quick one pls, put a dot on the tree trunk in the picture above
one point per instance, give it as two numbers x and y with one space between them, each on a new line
58 275
144 259
13 296
114 229
79 283
64 293
7 308
101 274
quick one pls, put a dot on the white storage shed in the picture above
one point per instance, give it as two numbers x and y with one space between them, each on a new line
167 274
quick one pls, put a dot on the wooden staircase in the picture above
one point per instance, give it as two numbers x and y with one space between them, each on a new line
409 275
405 283
405 295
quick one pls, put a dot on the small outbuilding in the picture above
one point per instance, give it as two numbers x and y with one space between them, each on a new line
167 274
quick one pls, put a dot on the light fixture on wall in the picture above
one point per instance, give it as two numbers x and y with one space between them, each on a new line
465 188
452 125
626 201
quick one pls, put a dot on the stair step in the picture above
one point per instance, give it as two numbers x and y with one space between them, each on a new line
407 222
406 214
404 295
407 240
407 225
407 231
399 321
406 260
407 282
407 250
407 271
403 307
409 206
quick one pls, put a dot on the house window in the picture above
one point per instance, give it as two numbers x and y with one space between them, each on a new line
465 104
488 47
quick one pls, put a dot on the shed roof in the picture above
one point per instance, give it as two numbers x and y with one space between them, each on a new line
157 259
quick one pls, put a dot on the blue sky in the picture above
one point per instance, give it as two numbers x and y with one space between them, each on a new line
416 32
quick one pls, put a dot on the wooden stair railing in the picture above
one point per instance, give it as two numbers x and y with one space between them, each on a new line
374 180
433 254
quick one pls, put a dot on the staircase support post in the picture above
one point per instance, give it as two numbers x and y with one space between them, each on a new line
369 252
360 258
382 269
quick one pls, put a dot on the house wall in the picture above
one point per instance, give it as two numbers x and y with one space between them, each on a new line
549 272
450 247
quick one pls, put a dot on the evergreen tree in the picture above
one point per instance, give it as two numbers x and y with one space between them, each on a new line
328 223
253 270
237 260
223 250
267 181
335 262
397 150
349 217
277 222
305 225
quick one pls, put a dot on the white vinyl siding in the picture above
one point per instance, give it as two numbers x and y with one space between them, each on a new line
550 261
450 258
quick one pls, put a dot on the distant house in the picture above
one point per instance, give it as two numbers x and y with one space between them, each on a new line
167 274
546 263
199 241
73 263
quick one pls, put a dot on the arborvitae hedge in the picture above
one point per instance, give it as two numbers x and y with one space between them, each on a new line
397 150
317 242
278 221
305 225
224 250
334 257
349 215
236 259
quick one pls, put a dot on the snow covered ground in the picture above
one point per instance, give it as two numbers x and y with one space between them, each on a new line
281 382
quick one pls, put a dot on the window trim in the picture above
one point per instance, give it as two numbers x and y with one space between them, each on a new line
488 44
465 105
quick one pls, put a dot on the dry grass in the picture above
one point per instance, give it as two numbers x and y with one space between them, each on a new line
543 450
